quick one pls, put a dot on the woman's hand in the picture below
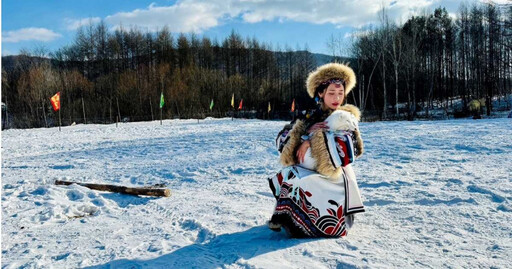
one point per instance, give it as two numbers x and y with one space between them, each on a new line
316 126
301 151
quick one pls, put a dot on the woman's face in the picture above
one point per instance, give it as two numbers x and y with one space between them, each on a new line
333 96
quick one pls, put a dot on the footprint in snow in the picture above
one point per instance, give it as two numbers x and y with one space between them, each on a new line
203 234
74 195
494 197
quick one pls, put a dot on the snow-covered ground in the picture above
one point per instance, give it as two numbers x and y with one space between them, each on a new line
438 194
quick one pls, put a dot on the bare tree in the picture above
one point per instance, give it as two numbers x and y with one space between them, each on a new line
383 38
396 56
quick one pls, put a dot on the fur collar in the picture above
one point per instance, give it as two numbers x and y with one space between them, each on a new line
352 109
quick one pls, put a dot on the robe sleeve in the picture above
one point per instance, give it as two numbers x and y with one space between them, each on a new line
288 140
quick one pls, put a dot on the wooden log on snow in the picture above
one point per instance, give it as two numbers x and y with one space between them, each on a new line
120 189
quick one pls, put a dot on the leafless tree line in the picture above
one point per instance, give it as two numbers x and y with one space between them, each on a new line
435 59
105 76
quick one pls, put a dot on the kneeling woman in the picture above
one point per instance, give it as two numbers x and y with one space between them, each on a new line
319 202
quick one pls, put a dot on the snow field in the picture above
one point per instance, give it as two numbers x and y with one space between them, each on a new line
437 194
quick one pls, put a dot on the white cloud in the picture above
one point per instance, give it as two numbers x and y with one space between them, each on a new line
32 33
499 2
186 16
72 24
341 13
199 15
358 33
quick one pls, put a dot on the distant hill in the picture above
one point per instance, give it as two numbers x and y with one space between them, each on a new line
324 58
8 62
11 61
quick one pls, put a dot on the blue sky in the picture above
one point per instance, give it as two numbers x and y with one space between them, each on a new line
295 23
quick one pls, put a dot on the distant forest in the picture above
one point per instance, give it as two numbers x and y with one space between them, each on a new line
403 71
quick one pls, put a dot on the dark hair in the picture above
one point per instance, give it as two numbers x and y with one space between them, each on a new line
321 88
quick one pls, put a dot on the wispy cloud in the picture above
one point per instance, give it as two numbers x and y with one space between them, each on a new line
32 33
186 16
198 15
500 2
358 33
73 24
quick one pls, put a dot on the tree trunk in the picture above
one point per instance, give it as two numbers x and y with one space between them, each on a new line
369 81
110 110
44 114
151 107
118 111
159 192
6 112
83 109
396 89
385 108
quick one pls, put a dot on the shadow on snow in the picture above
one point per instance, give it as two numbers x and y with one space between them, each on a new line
220 251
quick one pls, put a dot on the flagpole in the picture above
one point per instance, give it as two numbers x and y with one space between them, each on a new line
59 120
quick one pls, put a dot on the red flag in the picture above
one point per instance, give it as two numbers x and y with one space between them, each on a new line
55 100
293 105
240 105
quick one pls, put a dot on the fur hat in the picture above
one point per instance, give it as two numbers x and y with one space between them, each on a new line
330 71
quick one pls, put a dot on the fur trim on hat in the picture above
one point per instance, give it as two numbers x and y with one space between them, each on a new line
288 157
330 71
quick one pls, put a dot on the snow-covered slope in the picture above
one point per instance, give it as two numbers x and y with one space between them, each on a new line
438 194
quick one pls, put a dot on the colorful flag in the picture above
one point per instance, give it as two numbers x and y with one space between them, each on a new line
268 106
55 100
162 100
240 105
293 105
211 105
233 101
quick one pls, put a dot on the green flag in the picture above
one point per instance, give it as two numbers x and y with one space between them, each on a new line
211 105
162 100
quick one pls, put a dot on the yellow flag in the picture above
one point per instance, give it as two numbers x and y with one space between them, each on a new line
233 101
269 107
